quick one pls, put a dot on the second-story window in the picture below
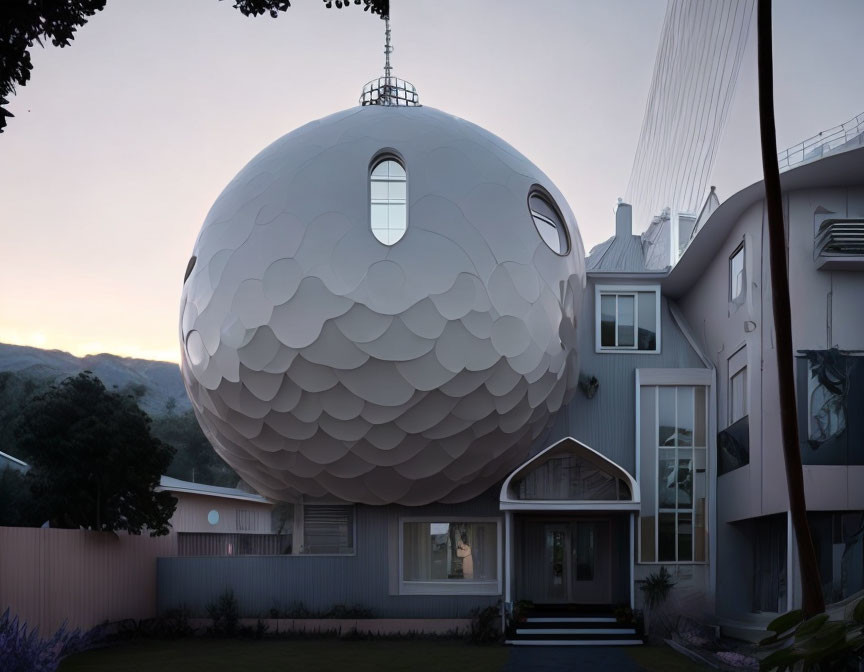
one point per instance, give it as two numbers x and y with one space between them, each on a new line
736 275
388 191
628 318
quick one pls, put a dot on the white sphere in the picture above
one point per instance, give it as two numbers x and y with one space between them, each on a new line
320 361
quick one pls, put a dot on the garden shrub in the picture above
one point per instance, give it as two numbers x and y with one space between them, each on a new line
23 650
485 626
225 614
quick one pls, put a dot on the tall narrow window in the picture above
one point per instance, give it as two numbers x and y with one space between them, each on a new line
672 524
736 275
388 197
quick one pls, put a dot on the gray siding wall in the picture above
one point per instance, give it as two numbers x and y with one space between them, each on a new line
607 423
366 578
826 312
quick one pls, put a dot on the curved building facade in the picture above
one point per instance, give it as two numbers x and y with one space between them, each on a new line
382 308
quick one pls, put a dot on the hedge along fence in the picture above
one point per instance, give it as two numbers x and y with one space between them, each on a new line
84 578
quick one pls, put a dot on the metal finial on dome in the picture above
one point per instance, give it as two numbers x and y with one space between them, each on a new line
389 90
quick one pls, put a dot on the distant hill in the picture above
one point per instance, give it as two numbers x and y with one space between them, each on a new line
26 372
154 383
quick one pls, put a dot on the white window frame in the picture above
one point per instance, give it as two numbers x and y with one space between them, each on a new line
380 158
740 249
735 365
451 586
678 378
301 528
626 290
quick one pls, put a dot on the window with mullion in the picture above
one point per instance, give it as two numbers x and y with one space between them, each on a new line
680 480
618 320
627 319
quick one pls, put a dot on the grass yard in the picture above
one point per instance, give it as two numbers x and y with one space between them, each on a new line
325 655
214 655
663 659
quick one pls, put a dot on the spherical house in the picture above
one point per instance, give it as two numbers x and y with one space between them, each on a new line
381 307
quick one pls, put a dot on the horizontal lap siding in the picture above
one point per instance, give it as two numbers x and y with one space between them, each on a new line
50 576
320 582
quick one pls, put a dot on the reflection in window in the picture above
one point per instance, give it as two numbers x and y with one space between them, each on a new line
389 205
830 389
736 275
738 395
460 551
839 541
549 223
628 320
680 432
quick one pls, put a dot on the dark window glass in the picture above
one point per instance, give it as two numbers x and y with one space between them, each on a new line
607 320
666 537
830 387
839 541
733 446
647 320
769 563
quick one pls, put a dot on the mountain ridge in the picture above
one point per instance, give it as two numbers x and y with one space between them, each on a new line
161 381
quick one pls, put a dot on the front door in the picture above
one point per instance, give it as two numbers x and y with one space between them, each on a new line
566 562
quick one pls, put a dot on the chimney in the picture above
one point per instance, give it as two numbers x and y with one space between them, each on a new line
623 220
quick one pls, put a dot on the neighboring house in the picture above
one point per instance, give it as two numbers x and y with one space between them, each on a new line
212 520
669 456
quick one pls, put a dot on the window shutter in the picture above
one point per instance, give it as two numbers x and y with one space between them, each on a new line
328 528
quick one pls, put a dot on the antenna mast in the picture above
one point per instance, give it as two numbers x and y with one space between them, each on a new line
389 90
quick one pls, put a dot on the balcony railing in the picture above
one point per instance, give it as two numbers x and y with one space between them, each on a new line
822 143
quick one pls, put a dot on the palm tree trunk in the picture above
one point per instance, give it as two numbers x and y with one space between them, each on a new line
812 600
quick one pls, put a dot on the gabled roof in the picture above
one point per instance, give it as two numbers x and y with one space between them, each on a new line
618 255
176 485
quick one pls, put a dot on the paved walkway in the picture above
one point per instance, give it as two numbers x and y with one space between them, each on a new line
567 658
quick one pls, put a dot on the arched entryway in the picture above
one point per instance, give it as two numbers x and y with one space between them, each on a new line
569 514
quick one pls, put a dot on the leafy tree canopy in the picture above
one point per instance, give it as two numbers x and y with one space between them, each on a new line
94 462
195 459
23 22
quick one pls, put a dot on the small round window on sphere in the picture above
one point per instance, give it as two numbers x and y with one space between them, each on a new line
549 223
388 186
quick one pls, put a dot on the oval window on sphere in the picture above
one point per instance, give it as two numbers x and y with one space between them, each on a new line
549 222
389 204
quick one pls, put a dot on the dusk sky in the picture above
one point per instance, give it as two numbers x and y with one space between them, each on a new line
122 141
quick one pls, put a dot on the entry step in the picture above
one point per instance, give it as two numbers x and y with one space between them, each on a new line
575 631
570 619
573 625
574 642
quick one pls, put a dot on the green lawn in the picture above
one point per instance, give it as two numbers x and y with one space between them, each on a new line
325 655
663 659
212 655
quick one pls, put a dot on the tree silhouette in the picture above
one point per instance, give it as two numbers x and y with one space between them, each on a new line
93 462
23 22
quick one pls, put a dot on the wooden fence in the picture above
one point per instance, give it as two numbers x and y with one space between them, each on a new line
84 578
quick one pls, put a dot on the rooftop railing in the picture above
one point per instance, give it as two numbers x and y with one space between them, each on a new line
824 142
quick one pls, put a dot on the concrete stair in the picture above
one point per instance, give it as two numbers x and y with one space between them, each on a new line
570 625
